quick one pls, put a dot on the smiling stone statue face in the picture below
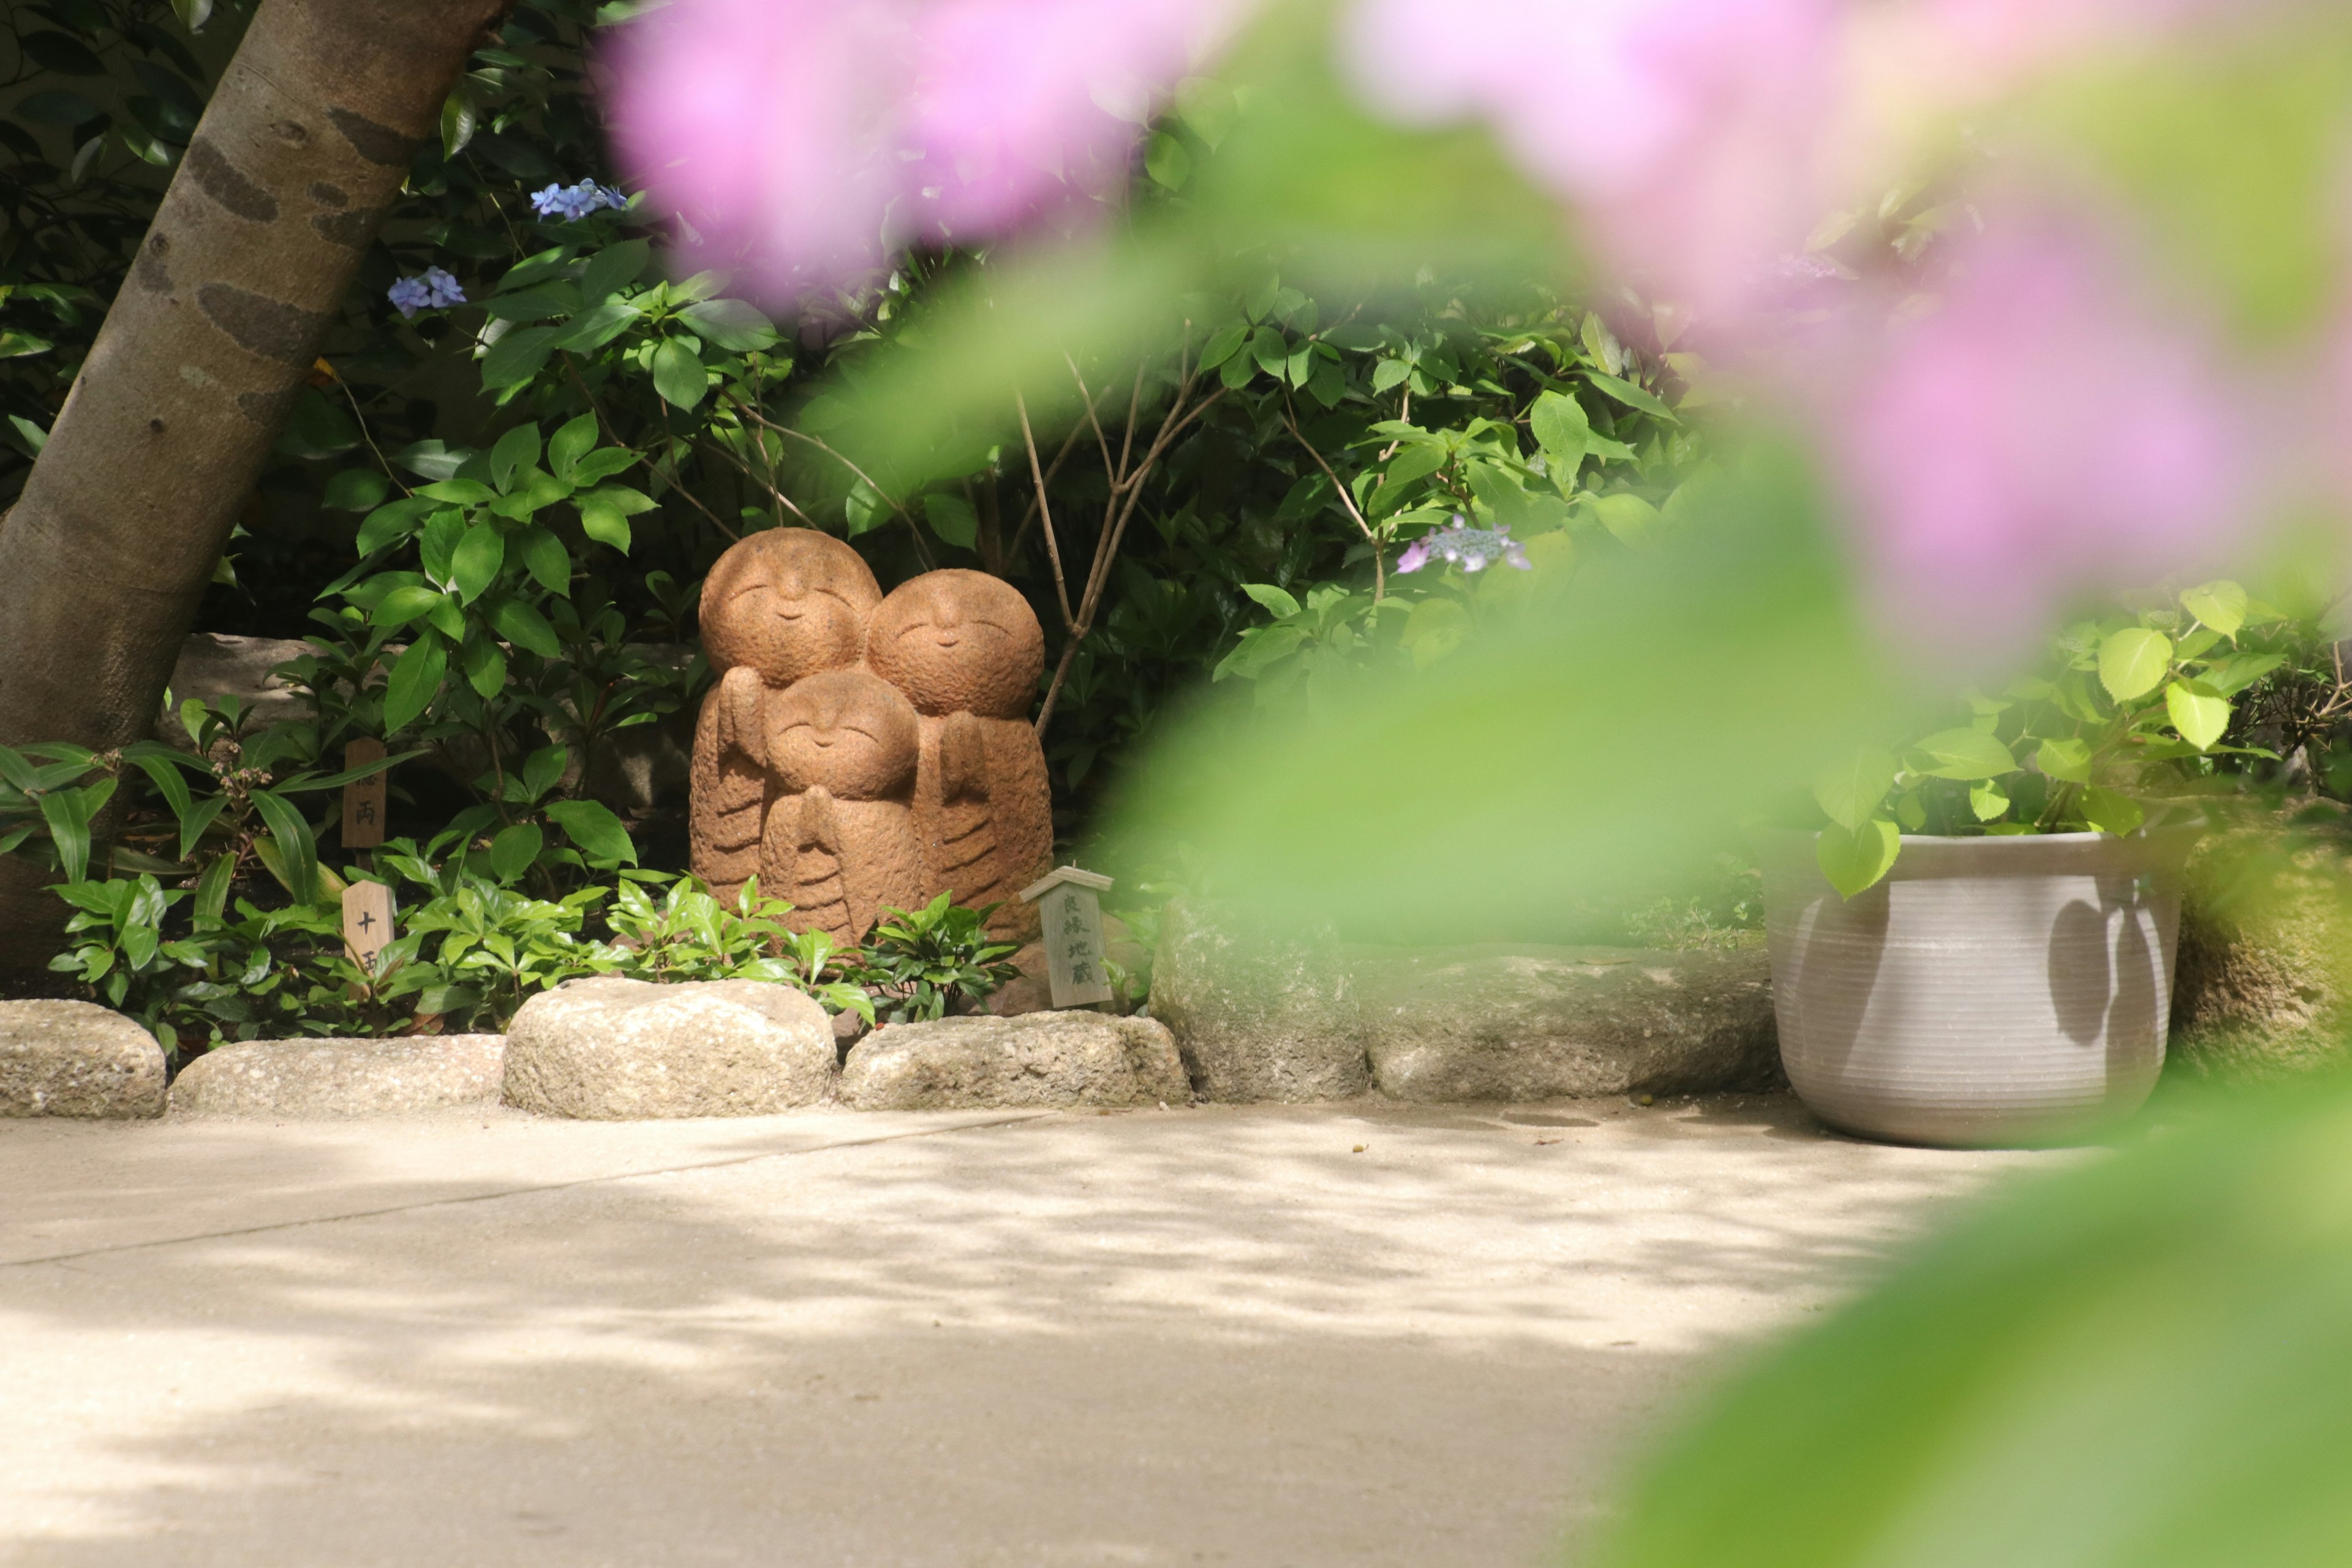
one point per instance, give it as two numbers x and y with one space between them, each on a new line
960 641
845 732
787 602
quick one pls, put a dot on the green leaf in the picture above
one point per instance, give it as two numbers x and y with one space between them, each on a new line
1414 463
2132 662
1563 430
595 327
544 557
677 374
1224 343
599 466
1259 647
1272 599
406 604
1987 800
458 118
1270 350
390 524
535 304
356 490
67 812
1631 396
516 851
613 267
2110 811
2221 606
595 830
1851 794
1167 162
300 850
951 517
736 325
604 521
2200 714
475 564
524 627
2068 761
1964 754
1626 516
569 445
1856 859
2232 675
517 357
1435 628
516 453
485 665
458 492
416 677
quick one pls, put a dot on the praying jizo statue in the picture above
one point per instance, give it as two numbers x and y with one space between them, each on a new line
861 753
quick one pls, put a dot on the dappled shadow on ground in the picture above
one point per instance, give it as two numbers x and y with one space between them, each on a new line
1222 1336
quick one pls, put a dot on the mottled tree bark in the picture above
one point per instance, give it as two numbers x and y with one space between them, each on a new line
105 557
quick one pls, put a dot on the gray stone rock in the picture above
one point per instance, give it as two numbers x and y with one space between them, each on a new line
1509 1023
2262 987
76 1059
1259 1013
1037 1058
316 1079
610 1049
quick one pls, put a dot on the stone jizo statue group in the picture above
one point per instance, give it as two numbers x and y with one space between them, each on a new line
861 751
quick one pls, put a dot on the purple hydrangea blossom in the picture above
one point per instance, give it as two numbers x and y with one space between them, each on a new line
433 289
905 119
2047 429
573 203
1468 548
409 296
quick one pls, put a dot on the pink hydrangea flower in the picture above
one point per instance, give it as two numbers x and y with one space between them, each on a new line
808 137
2040 433
1686 134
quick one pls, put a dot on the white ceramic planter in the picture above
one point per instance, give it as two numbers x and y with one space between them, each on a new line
1988 991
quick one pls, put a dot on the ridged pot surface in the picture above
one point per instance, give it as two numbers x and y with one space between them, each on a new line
1988 991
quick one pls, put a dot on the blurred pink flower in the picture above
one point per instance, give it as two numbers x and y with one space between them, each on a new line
2039 434
808 137
1686 134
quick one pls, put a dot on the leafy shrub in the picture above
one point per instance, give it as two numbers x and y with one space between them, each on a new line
690 936
933 960
2130 715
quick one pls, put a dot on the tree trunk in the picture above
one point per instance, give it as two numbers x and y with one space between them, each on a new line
105 557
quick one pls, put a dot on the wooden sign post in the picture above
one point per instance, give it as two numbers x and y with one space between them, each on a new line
363 799
1070 902
367 923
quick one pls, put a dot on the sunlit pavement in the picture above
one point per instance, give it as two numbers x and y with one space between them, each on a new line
1218 1335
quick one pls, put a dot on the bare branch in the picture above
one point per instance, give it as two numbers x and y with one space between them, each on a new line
1052 548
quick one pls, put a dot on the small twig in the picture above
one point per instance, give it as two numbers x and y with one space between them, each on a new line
1134 401
922 551
1053 548
1380 569
1100 439
1029 513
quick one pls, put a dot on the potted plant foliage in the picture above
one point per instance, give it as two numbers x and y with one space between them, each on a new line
1977 947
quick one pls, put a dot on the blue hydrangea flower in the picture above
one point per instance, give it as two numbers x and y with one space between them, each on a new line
409 296
573 203
433 289
1467 547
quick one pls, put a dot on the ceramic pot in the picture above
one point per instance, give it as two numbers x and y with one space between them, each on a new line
1988 991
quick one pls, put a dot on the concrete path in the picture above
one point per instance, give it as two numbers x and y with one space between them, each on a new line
1195 1336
